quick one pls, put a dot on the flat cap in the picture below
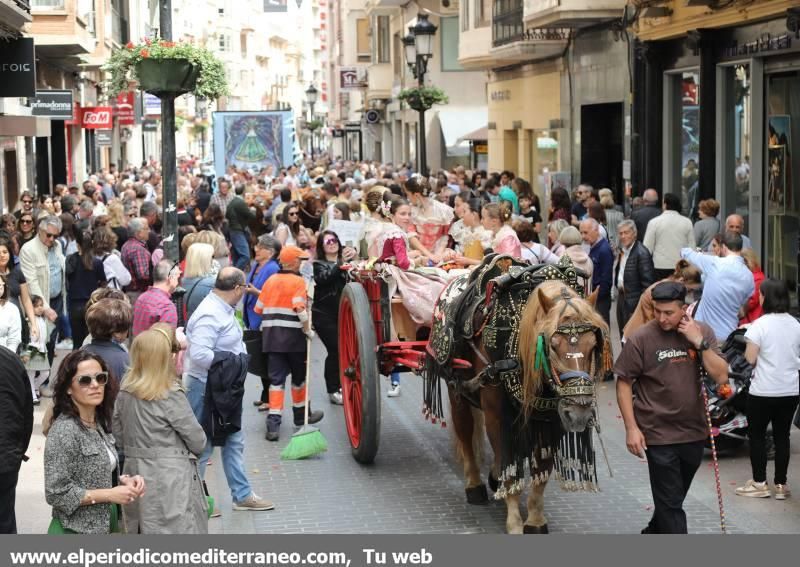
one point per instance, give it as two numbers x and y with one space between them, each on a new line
669 291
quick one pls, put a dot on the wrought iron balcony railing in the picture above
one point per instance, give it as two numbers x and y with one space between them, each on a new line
507 24
24 5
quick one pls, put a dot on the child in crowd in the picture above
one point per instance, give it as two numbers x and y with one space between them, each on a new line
36 355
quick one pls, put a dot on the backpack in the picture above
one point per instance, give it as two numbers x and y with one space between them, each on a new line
113 282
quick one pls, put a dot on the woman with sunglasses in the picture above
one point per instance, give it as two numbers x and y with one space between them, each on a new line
330 280
290 232
156 429
80 457
26 228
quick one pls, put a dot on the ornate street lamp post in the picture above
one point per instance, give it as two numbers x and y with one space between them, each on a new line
311 98
418 47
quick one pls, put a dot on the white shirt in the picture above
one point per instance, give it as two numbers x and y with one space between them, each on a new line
622 261
117 274
778 338
10 326
665 236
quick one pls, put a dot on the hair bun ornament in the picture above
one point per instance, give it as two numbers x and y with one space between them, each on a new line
386 209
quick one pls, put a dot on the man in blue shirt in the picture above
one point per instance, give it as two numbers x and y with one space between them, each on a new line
603 260
727 285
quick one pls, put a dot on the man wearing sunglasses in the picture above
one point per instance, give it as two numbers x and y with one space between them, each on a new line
42 265
26 205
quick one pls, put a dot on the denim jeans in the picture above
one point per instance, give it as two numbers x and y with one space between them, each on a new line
241 250
232 451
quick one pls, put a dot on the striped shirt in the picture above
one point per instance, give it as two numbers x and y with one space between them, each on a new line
281 299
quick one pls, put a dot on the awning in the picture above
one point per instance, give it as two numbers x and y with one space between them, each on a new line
479 135
458 122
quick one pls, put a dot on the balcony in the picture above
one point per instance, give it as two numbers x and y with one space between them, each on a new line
13 15
474 48
61 35
380 78
570 13
512 43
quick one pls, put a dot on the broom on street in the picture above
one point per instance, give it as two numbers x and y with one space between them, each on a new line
308 441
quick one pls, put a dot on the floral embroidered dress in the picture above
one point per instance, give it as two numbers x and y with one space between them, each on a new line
418 291
431 222
506 242
471 242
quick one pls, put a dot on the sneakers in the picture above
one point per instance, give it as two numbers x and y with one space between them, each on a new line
253 503
66 344
336 398
782 491
753 489
394 391
216 513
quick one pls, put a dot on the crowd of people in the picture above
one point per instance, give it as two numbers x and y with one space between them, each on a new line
158 347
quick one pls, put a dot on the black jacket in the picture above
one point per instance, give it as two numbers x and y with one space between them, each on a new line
224 394
16 412
329 282
639 275
642 216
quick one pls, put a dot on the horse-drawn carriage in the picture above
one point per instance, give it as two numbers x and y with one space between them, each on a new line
517 347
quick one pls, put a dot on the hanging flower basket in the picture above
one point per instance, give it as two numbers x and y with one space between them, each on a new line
167 76
166 67
423 98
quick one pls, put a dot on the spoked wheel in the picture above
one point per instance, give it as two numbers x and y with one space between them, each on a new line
358 365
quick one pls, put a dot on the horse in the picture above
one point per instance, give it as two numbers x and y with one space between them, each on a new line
534 354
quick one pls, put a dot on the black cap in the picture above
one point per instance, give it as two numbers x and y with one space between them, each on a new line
669 291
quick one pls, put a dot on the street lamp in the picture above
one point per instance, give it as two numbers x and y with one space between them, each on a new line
311 98
418 47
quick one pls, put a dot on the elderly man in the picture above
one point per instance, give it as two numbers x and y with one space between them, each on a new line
647 212
43 267
224 195
727 285
603 265
213 329
633 271
735 223
667 234
155 305
136 258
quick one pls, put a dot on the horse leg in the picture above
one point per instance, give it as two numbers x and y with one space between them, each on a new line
536 523
464 424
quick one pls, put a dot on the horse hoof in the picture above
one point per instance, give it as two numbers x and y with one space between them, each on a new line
477 495
535 529
494 484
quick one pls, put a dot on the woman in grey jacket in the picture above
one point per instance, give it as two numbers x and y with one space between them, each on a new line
161 439
79 456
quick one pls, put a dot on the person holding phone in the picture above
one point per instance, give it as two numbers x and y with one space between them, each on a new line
660 363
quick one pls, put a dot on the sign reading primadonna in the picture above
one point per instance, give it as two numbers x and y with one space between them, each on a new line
53 104
96 118
17 68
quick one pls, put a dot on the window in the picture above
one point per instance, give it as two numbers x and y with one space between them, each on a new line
47 4
224 42
221 11
465 15
482 10
399 59
735 141
362 40
383 40
449 31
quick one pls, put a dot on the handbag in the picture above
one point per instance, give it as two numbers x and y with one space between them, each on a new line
253 342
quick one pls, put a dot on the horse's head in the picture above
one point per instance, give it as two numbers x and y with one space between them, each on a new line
565 350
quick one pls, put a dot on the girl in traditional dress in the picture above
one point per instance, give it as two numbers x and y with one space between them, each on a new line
471 239
430 218
497 218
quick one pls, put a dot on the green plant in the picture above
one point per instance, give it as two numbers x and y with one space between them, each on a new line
314 125
179 122
198 128
423 98
121 66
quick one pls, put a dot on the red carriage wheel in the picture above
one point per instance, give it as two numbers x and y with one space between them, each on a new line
358 367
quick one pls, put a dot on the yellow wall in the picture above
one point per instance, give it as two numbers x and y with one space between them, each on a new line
685 18
532 99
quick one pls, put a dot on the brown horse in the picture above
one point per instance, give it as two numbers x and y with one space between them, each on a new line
544 422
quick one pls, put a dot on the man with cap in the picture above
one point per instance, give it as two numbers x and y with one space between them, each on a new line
285 326
661 363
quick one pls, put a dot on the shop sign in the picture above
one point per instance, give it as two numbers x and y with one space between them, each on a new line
103 137
53 104
149 125
124 108
766 43
75 120
352 78
500 95
337 132
152 105
481 148
17 68
96 118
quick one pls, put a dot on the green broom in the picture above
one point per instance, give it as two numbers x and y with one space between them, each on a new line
308 441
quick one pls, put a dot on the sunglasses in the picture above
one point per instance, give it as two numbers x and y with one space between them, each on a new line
328 241
50 235
85 381
27 202
25 221
292 214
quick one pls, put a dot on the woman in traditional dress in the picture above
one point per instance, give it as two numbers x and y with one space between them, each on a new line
471 239
430 219
497 218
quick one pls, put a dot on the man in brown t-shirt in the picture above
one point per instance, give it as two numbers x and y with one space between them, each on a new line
666 420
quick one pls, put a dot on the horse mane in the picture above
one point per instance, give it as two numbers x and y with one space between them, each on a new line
543 315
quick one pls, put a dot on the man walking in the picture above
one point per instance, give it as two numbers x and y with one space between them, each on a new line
603 265
136 258
727 285
644 214
667 234
582 200
282 305
660 363
16 426
223 197
42 265
155 305
213 329
633 272
239 215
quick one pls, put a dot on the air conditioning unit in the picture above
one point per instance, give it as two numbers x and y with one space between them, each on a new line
373 116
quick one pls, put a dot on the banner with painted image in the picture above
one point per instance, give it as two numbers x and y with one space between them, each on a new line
252 140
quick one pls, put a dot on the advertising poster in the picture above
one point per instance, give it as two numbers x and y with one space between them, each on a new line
252 140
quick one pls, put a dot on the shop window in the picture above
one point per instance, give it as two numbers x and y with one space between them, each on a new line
782 171
736 144
449 35
690 140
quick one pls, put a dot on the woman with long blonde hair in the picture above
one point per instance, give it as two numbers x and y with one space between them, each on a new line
199 275
157 431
